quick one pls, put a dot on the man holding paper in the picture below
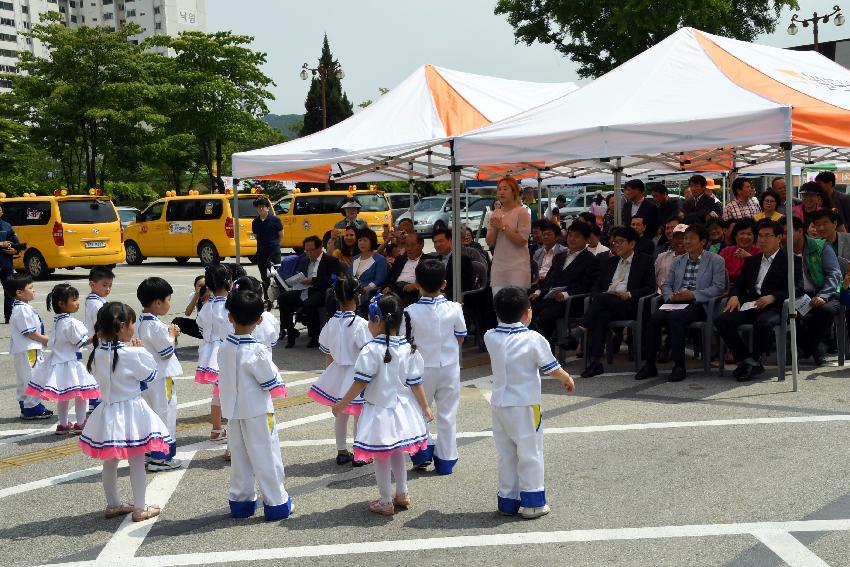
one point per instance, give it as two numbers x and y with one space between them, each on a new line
756 298
695 278
573 271
821 280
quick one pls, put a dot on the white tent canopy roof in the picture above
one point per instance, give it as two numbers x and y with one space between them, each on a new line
403 126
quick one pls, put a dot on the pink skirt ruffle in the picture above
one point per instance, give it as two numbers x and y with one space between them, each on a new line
206 376
44 394
350 409
278 391
106 453
363 455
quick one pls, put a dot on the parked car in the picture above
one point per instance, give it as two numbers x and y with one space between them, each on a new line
431 213
127 215
400 202
477 215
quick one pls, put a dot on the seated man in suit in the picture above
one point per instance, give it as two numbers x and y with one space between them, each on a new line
623 279
401 278
549 248
318 267
826 222
442 240
821 280
763 280
576 270
694 278
645 244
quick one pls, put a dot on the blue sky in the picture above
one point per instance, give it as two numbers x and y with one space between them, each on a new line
380 42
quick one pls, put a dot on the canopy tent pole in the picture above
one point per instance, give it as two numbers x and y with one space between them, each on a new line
235 208
723 181
410 184
618 193
789 248
456 240
539 196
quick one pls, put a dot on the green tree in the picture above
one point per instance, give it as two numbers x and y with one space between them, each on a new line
339 107
599 35
91 103
220 93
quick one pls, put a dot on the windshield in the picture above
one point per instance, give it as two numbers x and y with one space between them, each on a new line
127 215
87 212
372 203
480 205
427 205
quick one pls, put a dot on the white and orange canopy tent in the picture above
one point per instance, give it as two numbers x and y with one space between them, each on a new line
404 134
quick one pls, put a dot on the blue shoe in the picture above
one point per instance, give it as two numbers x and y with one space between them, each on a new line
35 413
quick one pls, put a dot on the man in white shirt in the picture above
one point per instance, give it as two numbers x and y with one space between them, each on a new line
544 255
401 278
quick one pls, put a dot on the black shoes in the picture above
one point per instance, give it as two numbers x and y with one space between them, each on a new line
678 374
570 343
344 458
648 370
594 369
291 335
746 372
314 343
741 371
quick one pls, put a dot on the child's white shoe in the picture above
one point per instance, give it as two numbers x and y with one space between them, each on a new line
532 512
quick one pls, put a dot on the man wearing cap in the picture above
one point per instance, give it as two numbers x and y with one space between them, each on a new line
701 203
350 209
268 230
694 279
841 201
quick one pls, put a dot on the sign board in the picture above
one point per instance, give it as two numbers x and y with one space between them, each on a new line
180 227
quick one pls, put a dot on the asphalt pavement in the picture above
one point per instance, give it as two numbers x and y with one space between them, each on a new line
702 472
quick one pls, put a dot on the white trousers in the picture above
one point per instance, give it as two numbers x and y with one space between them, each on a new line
518 433
161 396
255 459
25 362
442 385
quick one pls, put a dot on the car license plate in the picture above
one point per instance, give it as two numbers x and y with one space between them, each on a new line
377 228
95 244
252 236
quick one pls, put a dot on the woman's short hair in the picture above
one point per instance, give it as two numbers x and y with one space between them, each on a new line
512 183
369 234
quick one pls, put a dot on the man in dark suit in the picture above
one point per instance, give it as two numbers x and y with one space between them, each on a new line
401 278
667 208
764 281
638 205
575 270
442 239
318 268
623 279
701 203
645 245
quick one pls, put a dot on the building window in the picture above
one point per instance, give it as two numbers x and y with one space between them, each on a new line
7 22
29 41
72 3
7 6
25 9
8 37
107 2
156 9
134 41
131 13
51 2
26 25
158 25
5 84
107 16
8 53
73 19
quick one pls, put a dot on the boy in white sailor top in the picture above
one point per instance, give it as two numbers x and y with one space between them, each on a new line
100 284
439 329
159 339
517 354
248 379
26 343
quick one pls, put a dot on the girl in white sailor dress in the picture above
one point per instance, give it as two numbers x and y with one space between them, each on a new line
122 426
63 377
387 371
212 320
341 339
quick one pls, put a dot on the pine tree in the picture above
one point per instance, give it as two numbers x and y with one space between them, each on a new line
339 107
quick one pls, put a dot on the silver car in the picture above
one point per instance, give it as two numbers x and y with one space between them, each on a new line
430 214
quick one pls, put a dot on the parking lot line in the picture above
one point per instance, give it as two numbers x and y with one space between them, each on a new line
770 530
789 548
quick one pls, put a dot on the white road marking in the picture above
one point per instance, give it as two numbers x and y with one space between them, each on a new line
789 548
52 481
484 385
18 437
495 540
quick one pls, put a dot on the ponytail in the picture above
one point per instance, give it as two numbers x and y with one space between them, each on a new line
110 317
387 356
346 288
407 329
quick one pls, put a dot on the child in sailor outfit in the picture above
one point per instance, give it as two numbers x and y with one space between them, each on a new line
268 331
63 377
341 339
100 284
248 380
439 328
215 327
122 426
388 372
26 343
517 356
160 339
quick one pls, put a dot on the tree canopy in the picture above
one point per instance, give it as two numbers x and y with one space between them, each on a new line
339 107
599 35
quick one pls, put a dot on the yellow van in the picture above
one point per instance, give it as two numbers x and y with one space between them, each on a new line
314 212
191 226
64 232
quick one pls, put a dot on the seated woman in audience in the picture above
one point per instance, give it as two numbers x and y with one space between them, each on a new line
769 201
347 249
470 242
743 234
716 235
608 219
814 199
368 267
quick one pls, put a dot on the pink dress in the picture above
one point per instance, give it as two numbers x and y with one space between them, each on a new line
512 263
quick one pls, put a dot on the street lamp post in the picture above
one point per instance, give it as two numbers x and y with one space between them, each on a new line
815 20
323 71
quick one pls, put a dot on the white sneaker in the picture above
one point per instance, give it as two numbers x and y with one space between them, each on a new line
159 466
532 512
